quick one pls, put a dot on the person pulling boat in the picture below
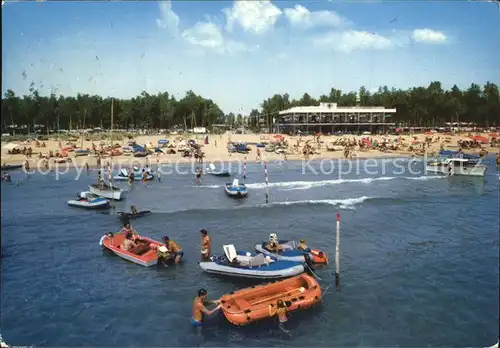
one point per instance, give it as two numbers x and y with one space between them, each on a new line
303 246
280 311
199 308
173 248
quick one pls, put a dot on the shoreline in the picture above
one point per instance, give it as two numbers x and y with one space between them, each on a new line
117 165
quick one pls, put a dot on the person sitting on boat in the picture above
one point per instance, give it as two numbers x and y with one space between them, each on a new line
206 245
129 245
279 311
174 248
127 228
303 246
133 210
199 308
273 245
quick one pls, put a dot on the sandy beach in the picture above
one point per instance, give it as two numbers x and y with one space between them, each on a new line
216 149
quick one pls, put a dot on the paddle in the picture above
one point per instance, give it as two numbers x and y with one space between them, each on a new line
277 296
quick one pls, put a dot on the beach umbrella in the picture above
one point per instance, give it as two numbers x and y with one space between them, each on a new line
480 139
428 133
398 130
493 135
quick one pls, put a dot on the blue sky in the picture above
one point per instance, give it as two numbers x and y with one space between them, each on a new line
239 53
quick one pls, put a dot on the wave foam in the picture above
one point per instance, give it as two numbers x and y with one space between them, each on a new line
347 203
305 185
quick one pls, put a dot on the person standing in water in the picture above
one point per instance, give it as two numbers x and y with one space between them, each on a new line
198 175
87 167
144 176
199 308
280 311
206 246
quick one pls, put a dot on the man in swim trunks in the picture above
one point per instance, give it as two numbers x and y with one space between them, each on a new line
199 308
174 248
206 246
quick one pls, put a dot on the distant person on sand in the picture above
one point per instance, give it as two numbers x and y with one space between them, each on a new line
206 245
258 158
199 308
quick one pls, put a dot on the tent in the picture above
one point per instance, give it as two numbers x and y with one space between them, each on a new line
480 139
10 146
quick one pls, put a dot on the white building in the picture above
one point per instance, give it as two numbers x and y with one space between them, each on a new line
329 118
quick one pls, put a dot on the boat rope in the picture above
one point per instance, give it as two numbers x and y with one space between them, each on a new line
312 272
101 242
324 292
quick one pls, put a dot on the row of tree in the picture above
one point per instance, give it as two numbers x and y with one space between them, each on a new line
430 106
145 111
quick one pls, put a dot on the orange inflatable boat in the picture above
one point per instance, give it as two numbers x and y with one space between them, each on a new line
319 257
148 257
245 306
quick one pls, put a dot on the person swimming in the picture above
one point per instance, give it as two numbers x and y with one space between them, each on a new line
199 308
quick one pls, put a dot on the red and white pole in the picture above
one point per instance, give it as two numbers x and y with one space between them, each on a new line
337 253
245 169
267 183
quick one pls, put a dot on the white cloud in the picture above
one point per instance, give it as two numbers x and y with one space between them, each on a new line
351 40
169 19
428 35
253 16
209 36
205 35
300 16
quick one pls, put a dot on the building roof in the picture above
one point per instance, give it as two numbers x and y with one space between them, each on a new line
333 108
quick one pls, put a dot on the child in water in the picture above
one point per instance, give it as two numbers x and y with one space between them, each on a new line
280 311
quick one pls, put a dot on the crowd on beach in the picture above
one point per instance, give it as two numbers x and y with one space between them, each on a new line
277 147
